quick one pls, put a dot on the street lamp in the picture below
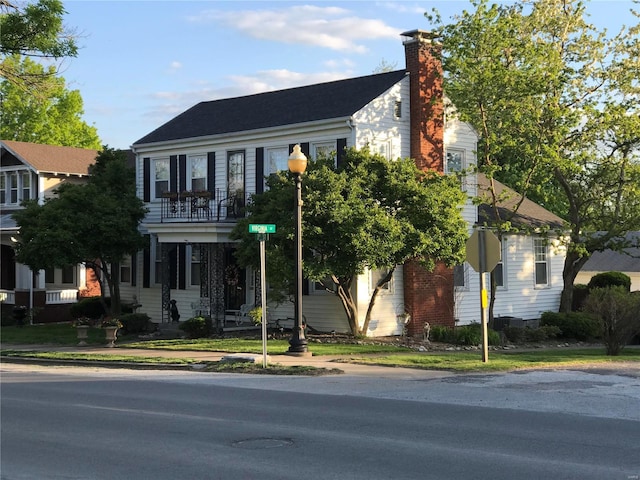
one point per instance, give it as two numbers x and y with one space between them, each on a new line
297 166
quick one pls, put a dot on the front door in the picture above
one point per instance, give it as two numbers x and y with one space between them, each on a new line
235 291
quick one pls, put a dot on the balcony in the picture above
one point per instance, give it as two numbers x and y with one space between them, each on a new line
203 206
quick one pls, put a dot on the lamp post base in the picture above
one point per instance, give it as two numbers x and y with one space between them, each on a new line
298 344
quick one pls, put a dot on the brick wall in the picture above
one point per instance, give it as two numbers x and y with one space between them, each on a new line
428 296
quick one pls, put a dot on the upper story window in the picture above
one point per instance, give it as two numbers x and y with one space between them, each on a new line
198 173
541 259
235 173
454 161
161 176
15 187
397 109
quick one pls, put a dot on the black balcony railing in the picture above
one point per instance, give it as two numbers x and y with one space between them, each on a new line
203 206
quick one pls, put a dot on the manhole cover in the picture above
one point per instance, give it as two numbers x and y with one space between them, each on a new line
263 443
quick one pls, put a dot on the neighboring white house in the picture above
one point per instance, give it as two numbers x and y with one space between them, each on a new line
34 171
196 172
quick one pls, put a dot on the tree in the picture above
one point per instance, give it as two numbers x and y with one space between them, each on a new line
52 118
34 31
367 213
556 106
95 224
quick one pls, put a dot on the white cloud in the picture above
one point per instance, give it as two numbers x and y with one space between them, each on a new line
174 66
167 104
327 27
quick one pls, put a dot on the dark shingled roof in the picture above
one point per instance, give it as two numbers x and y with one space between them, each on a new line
627 260
529 214
322 101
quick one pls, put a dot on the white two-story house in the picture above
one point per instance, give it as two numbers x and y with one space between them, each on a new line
196 172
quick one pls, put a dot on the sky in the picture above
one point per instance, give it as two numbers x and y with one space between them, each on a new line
141 63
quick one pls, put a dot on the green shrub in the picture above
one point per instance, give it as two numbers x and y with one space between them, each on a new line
464 335
135 322
197 327
617 310
610 279
528 334
575 325
90 307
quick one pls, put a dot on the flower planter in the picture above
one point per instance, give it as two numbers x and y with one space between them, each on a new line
83 333
110 334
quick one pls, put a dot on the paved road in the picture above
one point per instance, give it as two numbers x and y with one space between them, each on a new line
93 423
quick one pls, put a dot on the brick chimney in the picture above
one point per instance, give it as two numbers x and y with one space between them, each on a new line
423 62
428 296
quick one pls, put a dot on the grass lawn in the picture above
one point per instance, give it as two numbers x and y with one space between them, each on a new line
502 361
389 355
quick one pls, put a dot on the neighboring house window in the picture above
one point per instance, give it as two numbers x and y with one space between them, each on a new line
161 176
26 186
397 109
67 274
125 270
277 159
3 189
541 261
459 276
195 264
235 173
13 188
198 173
376 276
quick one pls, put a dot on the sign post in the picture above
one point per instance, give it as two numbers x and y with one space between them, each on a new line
483 254
263 231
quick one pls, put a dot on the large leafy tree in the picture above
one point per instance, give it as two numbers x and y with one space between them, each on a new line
368 213
36 31
95 224
52 118
556 105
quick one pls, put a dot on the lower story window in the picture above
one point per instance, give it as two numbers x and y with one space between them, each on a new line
541 261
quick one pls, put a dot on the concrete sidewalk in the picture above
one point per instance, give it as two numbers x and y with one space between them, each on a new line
328 362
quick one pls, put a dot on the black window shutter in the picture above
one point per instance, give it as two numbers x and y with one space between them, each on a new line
211 171
173 173
182 167
134 269
182 266
146 179
341 144
305 149
306 286
260 170
146 267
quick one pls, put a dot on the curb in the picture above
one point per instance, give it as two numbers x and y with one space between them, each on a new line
103 364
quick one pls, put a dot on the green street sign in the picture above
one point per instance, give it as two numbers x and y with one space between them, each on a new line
262 228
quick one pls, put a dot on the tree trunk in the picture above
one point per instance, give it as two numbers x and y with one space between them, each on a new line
573 263
350 307
372 300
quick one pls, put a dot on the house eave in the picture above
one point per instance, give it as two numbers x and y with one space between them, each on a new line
258 134
190 232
